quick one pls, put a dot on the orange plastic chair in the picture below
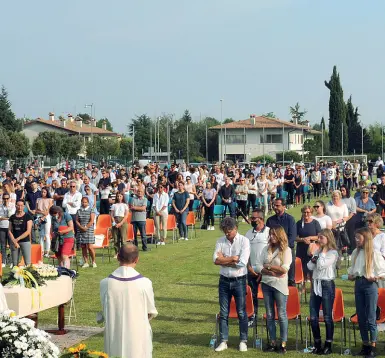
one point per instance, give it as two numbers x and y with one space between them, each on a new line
106 242
71 256
36 254
293 310
129 217
233 312
260 292
130 232
150 229
338 316
190 221
103 227
299 277
171 226
353 320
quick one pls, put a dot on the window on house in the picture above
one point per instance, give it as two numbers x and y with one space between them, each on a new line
272 138
235 139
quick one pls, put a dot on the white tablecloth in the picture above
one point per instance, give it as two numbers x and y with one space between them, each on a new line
25 301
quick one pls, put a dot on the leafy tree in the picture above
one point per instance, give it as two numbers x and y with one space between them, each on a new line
126 148
100 122
186 116
20 145
95 147
261 158
337 113
269 115
5 144
212 138
71 146
112 146
297 114
38 147
142 126
290 155
228 120
52 142
7 117
86 117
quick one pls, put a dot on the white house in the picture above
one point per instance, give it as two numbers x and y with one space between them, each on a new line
258 135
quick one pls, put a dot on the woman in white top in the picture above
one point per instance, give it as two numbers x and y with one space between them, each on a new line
374 224
320 215
323 264
8 188
190 188
119 214
271 188
262 189
351 221
367 268
43 205
251 193
273 264
6 211
241 190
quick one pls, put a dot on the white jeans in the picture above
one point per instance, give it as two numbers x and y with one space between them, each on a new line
45 239
161 221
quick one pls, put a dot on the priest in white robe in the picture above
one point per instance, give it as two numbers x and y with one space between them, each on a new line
128 306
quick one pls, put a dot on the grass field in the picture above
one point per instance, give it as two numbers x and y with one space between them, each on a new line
185 283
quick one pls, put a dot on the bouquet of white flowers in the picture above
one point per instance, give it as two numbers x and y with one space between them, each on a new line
47 272
19 339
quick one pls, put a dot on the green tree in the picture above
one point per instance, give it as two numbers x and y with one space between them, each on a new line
38 147
142 126
85 117
212 138
95 147
290 155
5 144
228 120
100 122
186 116
261 158
337 114
52 142
269 115
296 114
126 148
20 145
71 146
7 117
112 147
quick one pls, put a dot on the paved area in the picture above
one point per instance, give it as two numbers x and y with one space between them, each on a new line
75 335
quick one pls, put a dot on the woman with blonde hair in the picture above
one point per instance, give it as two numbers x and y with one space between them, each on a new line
367 267
273 264
323 264
374 223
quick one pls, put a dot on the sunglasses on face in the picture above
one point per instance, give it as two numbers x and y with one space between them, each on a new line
316 206
370 221
72 186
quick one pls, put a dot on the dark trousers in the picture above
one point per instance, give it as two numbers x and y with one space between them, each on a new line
317 189
348 182
366 296
327 300
253 283
242 206
251 202
290 194
141 225
209 215
105 206
227 289
3 244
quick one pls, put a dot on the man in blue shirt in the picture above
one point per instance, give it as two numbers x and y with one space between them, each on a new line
285 220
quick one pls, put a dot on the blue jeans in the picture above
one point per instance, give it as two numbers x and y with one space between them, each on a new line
227 288
231 207
271 296
141 225
366 295
181 219
327 300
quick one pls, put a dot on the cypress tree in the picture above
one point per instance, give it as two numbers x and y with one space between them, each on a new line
337 114
354 127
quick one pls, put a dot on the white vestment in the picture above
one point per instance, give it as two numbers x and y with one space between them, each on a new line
128 305
3 301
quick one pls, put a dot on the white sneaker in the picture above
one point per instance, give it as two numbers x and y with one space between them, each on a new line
86 265
94 265
243 220
208 228
81 262
162 243
222 347
243 347
181 238
186 238
3 265
212 228
11 266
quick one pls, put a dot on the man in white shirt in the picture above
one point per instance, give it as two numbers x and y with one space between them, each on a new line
219 177
232 253
160 206
379 161
86 182
258 237
331 176
72 201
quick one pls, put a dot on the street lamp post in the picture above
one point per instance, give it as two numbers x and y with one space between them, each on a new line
221 100
91 124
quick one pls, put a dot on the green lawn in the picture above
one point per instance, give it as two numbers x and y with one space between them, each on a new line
185 284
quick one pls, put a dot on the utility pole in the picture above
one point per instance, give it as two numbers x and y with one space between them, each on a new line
188 149
207 148
322 139
133 144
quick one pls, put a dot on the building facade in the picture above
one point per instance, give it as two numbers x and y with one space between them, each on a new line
258 136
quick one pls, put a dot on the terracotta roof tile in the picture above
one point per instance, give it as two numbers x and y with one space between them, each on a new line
73 127
263 122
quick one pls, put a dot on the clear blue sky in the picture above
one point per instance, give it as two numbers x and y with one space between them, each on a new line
133 57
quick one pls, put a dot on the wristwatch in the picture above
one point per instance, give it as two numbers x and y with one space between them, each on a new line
269 267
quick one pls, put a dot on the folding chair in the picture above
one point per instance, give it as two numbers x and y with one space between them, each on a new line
150 229
218 200
260 292
219 211
299 277
103 227
233 313
353 320
293 310
105 243
283 195
71 256
338 316
196 205
190 222
171 226
36 254
72 310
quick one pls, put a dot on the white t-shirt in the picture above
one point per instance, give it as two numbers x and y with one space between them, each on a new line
271 184
324 221
379 243
331 173
119 209
261 184
258 241
336 212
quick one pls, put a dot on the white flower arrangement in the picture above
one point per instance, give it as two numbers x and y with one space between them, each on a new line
46 271
19 339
